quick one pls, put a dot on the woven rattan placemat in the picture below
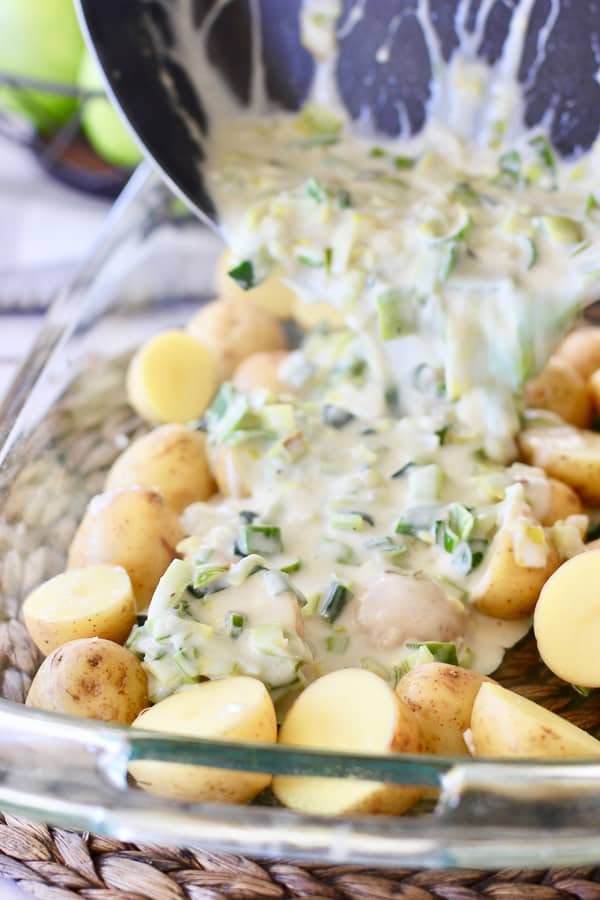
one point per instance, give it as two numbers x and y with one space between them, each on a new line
59 466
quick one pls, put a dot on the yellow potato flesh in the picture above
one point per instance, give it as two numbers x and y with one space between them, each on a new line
503 724
567 620
581 349
171 459
96 601
441 697
351 710
232 709
566 453
563 502
171 378
272 294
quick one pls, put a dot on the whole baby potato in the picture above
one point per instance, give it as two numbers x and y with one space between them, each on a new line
261 370
581 350
129 527
232 329
441 696
230 709
171 459
91 678
560 389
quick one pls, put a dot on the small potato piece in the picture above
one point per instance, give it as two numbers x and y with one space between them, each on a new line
397 608
567 621
171 378
581 350
505 589
234 329
563 502
171 459
92 678
569 454
441 697
260 370
96 601
129 527
232 709
352 710
503 724
271 295
560 389
230 473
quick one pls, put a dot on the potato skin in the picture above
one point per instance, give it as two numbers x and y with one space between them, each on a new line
234 329
560 389
91 678
566 453
441 696
581 350
260 371
113 622
505 589
130 527
198 712
171 459
564 502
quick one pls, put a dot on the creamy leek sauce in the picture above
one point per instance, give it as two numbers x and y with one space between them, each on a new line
458 259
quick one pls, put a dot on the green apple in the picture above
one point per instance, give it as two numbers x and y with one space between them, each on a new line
41 39
102 124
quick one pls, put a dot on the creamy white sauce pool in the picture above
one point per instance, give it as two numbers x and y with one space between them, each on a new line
458 259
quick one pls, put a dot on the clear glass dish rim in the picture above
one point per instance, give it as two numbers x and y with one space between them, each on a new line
119 745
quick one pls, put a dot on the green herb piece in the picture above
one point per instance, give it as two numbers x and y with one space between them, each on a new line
392 552
582 691
343 198
392 398
328 258
460 521
593 532
391 313
207 579
442 434
464 193
337 643
544 152
418 658
533 253
377 152
262 539
562 229
418 521
228 413
314 190
234 623
510 165
247 516
319 120
441 651
347 521
403 470
310 261
319 140
449 260
591 204
334 602
291 567
335 416
243 275
478 551
404 162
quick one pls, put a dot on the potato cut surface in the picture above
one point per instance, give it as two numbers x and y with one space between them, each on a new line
236 709
352 710
566 453
567 620
96 601
504 724
171 378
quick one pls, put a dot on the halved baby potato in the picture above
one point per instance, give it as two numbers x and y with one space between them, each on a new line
581 350
96 601
569 454
561 389
171 459
504 724
171 378
441 697
567 621
231 709
352 710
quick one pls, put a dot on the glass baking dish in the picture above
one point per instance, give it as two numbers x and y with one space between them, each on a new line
61 426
